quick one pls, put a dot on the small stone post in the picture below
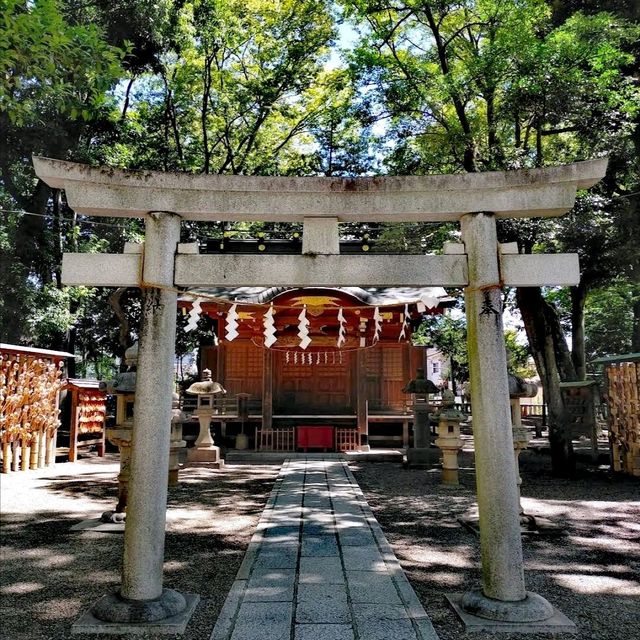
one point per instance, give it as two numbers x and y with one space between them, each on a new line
503 596
142 598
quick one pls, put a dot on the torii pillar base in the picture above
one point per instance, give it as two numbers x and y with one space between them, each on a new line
136 617
518 614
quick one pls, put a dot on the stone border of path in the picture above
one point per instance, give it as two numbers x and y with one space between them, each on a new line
297 582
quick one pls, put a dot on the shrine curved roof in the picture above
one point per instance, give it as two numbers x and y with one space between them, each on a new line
371 295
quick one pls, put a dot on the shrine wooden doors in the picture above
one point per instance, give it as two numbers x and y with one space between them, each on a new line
322 384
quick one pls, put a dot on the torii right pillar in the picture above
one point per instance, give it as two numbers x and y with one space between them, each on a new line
503 600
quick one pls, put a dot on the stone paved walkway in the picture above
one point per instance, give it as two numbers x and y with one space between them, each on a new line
320 568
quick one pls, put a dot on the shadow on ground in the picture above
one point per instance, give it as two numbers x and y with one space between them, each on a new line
592 573
50 574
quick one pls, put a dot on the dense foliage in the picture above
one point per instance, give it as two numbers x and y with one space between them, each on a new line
257 87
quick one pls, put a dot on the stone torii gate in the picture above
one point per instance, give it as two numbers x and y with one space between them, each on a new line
480 265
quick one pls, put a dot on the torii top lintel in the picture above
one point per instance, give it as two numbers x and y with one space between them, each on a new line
102 191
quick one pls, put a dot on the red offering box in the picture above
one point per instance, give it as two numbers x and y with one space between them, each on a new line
314 437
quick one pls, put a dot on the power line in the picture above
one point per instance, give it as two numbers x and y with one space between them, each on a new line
63 219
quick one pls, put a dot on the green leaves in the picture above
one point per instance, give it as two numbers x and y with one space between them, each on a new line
48 67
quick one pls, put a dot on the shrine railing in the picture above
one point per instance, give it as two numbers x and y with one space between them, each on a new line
536 410
347 439
281 439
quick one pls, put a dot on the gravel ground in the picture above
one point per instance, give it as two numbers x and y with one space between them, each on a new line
49 575
592 573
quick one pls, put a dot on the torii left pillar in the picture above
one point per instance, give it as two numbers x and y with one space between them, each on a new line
142 598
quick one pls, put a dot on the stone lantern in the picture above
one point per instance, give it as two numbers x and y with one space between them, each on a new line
518 388
177 443
449 441
205 452
124 387
420 454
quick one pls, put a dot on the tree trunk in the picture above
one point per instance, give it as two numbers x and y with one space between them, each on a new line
553 361
578 297
124 336
635 334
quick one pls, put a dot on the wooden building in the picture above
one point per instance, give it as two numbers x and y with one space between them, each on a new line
353 386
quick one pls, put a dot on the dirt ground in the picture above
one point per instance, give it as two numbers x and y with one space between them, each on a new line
49 575
591 573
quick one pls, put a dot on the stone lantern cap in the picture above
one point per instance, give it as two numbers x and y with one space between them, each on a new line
519 388
420 385
131 355
207 387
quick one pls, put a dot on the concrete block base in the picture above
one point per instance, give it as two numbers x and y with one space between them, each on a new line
88 623
209 457
422 457
557 623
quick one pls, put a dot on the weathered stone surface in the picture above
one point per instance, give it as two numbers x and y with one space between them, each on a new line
533 608
322 603
271 585
372 587
323 632
149 460
319 545
556 623
363 559
101 269
260 620
320 236
175 624
115 608
549 191
500 543
561 269
327 570
230 270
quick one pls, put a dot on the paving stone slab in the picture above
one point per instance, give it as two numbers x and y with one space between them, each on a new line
318 529
362 538
320 546
322 603
282 532
260 620
327 570
372 587
363 559
324 632
379 612
277 557
270 585
386 630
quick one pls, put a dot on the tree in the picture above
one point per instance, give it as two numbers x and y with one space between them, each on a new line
493 85
54 83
